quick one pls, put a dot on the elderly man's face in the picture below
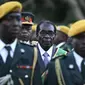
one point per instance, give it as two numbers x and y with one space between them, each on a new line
10 25
46 35
79 44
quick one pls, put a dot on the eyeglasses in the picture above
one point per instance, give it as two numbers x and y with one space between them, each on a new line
51 33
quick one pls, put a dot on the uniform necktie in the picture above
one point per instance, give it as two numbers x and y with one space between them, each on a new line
83 70
9 58
46 61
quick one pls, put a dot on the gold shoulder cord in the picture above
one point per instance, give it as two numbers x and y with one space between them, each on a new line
34 64
21 82
59 72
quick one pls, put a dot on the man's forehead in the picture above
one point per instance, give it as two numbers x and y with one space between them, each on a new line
44 26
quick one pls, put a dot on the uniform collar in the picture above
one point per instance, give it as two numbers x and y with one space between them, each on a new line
78 59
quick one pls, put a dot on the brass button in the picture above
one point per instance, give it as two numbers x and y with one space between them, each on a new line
26 76
10 71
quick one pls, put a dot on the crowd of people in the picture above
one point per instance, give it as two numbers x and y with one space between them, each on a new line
42 53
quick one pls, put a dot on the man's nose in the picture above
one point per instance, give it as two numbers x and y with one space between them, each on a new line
47 35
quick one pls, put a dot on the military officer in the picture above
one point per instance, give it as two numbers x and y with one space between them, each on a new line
70 69
26 30
62 39
61 35
18 61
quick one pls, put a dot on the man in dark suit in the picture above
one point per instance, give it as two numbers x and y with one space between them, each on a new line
45 33
18 64
70 69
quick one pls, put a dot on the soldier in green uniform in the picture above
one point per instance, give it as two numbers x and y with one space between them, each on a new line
70 69
61 35
18 61
61 39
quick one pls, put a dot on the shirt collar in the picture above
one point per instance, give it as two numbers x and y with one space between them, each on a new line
42 51
12 45
78 59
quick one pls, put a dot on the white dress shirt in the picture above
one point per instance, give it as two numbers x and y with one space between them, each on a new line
4 52
42 51
78 59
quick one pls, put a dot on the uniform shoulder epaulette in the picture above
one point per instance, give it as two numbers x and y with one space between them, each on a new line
24 42
59 53
34 43
27 44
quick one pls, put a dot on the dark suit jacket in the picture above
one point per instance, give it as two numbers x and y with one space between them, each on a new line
41 62
23 57
70 72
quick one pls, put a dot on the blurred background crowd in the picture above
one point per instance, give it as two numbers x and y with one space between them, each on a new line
58 11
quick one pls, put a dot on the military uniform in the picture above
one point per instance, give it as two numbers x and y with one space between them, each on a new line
69 73
65 45
25 34
64 30
24 68
45 76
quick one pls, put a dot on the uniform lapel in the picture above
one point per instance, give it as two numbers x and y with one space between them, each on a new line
1 60
53 50
19 51
73 68
41 63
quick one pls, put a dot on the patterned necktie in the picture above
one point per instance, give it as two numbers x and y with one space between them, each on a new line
83 70
9 58
46 61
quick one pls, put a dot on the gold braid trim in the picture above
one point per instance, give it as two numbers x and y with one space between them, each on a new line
34 64
59 72
21 82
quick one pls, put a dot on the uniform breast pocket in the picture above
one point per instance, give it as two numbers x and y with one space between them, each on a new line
22 71
22 74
